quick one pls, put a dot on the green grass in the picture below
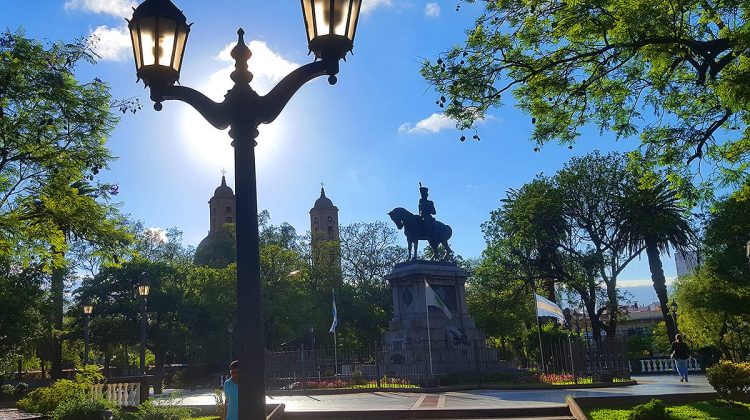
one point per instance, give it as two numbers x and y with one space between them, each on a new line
704 410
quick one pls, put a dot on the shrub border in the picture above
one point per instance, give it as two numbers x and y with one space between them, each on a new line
575 403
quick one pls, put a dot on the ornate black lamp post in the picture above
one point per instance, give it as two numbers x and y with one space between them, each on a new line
674 318
143 289
87 310
159 33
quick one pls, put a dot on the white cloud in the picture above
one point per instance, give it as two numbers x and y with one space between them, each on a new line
642 282
432 10
118 8
111 44
156 234
435 123
368 6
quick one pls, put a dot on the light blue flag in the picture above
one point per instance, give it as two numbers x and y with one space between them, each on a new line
545 307
335 322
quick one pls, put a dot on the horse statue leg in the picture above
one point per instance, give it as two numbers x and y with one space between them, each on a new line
416 246
448 251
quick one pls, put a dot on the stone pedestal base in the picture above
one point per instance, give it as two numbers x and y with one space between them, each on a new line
457 345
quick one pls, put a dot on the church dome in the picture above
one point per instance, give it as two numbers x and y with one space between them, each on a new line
323 201
217 250
223 190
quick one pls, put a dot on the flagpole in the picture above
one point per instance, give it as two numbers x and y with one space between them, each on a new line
335 355
427 313
539 333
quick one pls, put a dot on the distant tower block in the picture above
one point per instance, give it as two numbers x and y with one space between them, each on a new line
222 207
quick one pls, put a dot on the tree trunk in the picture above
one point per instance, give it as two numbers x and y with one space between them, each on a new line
549 288
57 289
158 380
660 286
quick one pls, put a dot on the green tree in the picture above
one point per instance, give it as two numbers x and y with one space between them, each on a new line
369 251
653 218
677 73
53 131
713 301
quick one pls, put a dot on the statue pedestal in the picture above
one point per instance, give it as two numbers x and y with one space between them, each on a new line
457 345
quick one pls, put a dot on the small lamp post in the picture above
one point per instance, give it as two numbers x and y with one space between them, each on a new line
143 290
674 318
87 310
159 33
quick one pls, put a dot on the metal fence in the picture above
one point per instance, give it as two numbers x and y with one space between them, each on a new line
565 361
585 358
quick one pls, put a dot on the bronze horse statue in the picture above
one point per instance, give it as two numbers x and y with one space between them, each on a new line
435 233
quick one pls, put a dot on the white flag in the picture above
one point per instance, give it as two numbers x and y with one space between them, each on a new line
545 307
435 300
335 322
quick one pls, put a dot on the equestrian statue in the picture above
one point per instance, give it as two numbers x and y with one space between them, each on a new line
423 227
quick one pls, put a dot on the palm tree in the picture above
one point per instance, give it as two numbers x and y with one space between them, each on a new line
653 218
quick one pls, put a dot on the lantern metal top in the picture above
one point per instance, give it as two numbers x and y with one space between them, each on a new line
159 8
88 308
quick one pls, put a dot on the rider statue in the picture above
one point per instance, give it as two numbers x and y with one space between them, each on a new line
426 210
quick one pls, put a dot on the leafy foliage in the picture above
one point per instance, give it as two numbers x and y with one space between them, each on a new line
82 409
652 410
675 73
730 380
46 399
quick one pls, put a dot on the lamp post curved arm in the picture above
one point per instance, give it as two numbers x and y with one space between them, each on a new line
275 101
212 111
242 107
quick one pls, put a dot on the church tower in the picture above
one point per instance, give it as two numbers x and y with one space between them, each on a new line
324 232
218 249
221 207
324 219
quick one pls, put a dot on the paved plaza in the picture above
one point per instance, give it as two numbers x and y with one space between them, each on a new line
482 398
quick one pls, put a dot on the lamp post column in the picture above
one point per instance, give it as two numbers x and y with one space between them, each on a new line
251 398
143 335
86 341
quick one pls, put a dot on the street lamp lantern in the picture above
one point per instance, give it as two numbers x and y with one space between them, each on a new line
144 289
88 308
747 250
158 32
674 307
331 26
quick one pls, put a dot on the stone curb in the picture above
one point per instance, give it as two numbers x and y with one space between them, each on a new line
460 413
453 388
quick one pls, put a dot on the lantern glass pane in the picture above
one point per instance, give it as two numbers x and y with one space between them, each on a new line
340 15
167 29
180 47
136 46
148 40
322 19
307 9
353 18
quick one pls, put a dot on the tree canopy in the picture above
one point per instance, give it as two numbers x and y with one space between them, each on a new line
675 73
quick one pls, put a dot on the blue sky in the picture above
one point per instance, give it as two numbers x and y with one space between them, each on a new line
371 138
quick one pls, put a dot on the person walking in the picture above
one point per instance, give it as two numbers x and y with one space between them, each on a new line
231 392
681 354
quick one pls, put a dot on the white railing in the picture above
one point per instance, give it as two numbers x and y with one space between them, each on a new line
665 365
124 394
